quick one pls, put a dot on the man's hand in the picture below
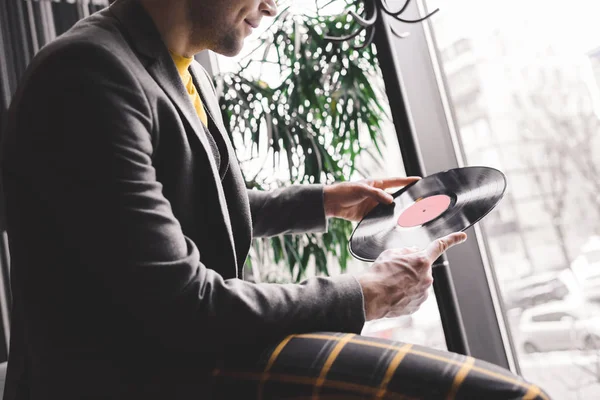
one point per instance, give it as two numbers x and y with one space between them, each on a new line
398 281
353 200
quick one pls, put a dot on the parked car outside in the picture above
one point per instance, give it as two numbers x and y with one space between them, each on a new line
540 289
560 325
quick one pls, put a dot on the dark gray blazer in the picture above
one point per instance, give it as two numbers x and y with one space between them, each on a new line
126 245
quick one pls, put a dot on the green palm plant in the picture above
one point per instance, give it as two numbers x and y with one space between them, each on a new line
316 116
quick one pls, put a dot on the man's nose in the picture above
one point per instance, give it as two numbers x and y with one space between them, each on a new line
268 8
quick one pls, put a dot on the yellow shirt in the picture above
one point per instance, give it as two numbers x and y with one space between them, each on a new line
183 64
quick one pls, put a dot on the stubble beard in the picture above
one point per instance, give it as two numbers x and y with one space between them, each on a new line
221 39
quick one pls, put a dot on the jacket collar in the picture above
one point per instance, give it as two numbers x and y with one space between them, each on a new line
138 25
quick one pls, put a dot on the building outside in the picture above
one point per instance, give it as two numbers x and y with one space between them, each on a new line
594 59
594 56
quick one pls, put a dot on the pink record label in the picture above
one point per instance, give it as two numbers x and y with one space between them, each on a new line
424 210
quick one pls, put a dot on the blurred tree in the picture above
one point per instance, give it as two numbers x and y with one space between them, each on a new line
557 118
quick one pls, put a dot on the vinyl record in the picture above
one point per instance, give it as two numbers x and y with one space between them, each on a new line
433 207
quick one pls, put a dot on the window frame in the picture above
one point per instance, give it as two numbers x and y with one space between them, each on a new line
425 107
5 295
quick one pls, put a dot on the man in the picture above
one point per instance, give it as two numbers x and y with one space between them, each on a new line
129 223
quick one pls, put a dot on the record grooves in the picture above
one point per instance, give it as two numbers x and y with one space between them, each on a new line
433 207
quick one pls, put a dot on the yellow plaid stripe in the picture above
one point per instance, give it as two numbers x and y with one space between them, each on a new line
329 362
349 397
449 361
270 363
460 377
309 381
329 397
483 371
466 365
392 369
533 392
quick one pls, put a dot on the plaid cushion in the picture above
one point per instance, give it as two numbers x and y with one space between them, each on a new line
330 366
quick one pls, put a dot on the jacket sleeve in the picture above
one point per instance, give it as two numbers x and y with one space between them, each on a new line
90 158
295 209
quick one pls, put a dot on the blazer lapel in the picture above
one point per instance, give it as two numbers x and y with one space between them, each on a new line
211 105
235 186
210 100
165 74
147 40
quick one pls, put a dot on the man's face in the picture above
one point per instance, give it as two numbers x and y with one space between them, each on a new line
224 24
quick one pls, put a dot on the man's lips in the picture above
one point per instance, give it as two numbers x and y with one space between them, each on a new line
251 23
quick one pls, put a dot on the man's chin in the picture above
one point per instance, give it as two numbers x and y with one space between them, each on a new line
229 53
230 49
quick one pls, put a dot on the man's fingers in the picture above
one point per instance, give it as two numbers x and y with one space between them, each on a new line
379 195
388 183
439 246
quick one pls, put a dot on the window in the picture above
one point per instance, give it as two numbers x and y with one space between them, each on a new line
536 92
594 56
551 317
532 212
593 256
457 49
465 82
507 245
521 186
476 134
